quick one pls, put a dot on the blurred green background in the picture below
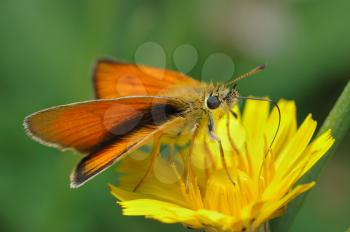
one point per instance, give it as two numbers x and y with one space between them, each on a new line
47 51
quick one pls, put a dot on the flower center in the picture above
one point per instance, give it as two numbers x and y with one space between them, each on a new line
221 194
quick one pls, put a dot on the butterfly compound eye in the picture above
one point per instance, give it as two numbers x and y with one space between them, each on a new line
213 102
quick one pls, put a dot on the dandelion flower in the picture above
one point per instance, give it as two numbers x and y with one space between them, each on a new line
265 179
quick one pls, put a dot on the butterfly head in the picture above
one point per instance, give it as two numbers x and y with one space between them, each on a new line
221 96
226 94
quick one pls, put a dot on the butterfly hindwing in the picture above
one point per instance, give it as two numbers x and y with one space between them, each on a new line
103 158
116 79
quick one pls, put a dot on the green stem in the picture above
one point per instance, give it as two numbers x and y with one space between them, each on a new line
338 121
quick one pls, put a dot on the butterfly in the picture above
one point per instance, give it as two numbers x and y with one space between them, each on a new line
134 105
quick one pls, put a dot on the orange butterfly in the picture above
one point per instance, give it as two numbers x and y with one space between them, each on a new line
135 103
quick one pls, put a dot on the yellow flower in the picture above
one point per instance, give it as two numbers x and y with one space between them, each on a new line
265 180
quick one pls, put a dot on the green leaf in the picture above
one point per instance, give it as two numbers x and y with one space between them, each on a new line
338 120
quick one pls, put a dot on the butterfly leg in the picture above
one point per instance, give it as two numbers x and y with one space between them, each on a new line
228 129
154 155
189 157
234 114
171 150
213 136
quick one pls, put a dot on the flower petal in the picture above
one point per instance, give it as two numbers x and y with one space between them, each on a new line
271 207
288 157
161 211
163 183
317 149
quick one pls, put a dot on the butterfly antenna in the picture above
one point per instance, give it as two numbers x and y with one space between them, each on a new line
247 74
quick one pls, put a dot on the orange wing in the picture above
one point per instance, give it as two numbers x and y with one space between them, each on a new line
107 129
115 79
89 125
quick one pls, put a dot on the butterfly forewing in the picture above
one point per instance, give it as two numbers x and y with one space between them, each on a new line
91 125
